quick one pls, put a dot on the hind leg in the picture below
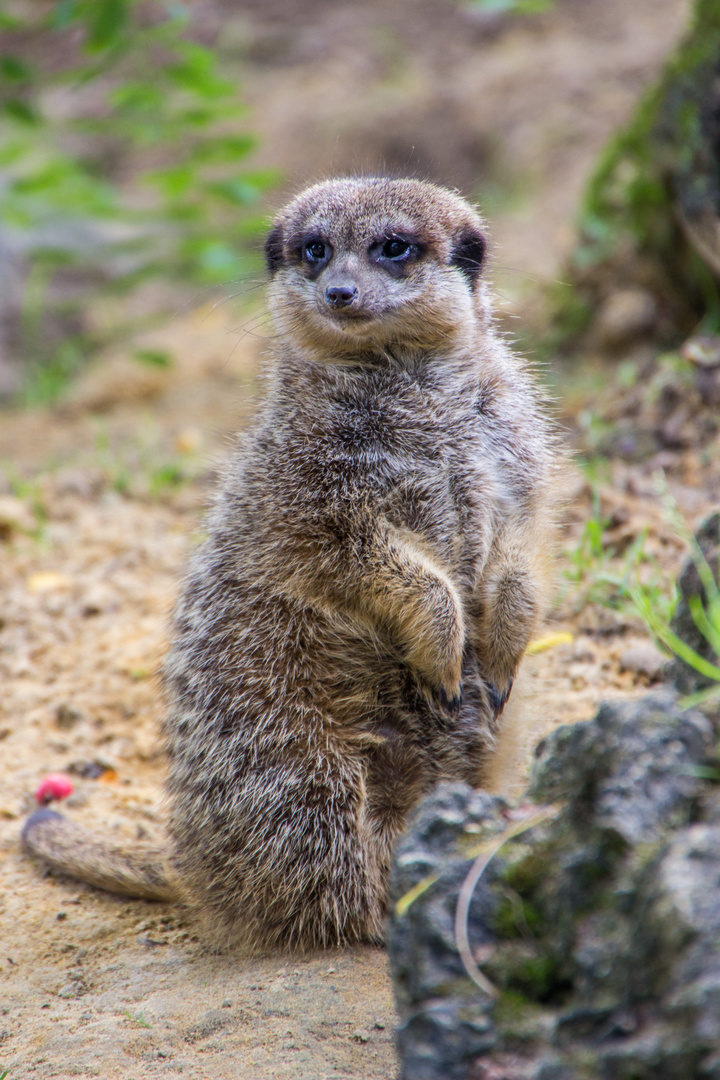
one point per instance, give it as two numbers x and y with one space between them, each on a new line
280 855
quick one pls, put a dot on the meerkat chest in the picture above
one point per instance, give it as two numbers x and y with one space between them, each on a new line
427 465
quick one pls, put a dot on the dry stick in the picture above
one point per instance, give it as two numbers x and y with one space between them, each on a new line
487 851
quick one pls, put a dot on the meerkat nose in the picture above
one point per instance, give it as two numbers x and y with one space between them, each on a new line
339 296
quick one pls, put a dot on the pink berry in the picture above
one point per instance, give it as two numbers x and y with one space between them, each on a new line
54 786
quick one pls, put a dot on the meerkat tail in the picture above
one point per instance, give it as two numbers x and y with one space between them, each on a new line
69 848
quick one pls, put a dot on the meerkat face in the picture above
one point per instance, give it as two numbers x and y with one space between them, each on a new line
374 263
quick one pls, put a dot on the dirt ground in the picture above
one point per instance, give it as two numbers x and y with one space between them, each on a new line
102 497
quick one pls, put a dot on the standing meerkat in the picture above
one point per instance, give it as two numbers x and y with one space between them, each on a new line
349 632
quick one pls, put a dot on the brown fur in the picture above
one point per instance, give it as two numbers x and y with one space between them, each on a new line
349 632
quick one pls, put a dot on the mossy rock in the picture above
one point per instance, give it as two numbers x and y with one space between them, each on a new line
650 220
596 929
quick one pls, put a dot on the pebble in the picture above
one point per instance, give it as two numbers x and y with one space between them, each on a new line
54 786
44 581
644 659
15 516
66 716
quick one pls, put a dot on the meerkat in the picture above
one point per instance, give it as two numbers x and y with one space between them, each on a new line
349 632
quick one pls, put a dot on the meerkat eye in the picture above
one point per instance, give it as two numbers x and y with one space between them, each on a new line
316 251
395 248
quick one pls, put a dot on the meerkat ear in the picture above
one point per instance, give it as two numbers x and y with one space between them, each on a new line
274 250
468 253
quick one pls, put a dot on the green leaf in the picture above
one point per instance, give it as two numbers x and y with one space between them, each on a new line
173 182
515 7
21 111
197 71
227 148
704 624
14 69
153 357
217 260
236 191
138 95
107 19
155 92
533 7
65 14
670 639
12 151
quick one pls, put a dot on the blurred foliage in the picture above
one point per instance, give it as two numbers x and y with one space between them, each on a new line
657 181
514 7
123 155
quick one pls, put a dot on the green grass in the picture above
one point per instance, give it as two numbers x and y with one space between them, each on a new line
139 1020
596 574
634 582
142 467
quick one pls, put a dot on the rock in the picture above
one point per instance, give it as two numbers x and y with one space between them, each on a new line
437 1027
75 988
213 1022
67 716
644 659
686 678
596 930
15 516
703 350
98 598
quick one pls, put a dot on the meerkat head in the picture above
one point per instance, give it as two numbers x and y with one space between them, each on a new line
369 263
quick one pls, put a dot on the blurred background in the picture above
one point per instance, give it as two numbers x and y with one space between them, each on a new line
143 145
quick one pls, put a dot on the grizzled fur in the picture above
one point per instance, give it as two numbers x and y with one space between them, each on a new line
349 632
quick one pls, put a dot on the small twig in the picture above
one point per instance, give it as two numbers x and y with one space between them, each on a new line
139 1020
485 853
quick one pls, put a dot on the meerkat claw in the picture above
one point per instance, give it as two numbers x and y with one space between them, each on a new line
450 702
498 698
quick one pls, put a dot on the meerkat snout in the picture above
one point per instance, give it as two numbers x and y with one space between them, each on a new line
341 295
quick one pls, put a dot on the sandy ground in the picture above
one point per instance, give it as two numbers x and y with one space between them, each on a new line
101 499
93 985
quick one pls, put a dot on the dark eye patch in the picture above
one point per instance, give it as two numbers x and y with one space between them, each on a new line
468 254
274 257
